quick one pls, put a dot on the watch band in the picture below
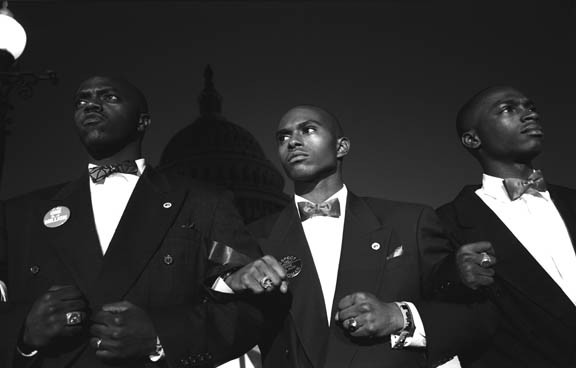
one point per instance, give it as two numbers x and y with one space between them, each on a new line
408 328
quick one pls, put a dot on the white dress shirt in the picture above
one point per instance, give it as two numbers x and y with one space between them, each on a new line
109 200
324 236
537 224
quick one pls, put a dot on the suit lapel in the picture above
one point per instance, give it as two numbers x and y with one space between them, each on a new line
308 310
151 210
360 269
516 266
75 241
566 207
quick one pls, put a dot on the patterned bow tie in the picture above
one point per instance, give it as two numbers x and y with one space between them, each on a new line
98 174
517 187
329 208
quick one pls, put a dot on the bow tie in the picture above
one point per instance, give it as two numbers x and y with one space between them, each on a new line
517 187
98 174
329 208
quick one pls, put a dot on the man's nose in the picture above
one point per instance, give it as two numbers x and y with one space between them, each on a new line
530 115
92 105
294 141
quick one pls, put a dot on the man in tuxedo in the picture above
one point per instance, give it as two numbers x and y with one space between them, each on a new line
519 232
354 268
115 268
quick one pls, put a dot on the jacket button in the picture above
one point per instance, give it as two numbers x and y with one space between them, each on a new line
34 270
168 259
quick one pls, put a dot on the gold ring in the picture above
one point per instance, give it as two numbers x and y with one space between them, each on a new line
74 318
352 324
98 342
485 261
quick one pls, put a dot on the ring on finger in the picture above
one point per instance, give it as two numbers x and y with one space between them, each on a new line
486 260
266 282
74 318
98 342
352 324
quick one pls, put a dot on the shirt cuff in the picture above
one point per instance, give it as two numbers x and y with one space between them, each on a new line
221 286
3 292
418 338
159 353
26 355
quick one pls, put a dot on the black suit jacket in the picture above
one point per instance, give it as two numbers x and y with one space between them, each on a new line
537 321
157 259
373 230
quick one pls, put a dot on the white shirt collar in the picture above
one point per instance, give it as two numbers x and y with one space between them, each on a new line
493 186
342 194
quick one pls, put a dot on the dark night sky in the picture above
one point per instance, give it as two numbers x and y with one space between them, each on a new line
394 72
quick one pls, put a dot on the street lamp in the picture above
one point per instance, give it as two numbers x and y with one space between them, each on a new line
13 39
12 44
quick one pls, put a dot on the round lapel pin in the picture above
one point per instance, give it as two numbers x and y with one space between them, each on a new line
57 216
292 265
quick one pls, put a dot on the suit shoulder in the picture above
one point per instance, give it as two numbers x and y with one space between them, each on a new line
37 194
181 181
262 227
387 205
464 204
562 190
197 188
445 209
465 193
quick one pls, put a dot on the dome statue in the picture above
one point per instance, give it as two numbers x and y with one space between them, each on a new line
223 153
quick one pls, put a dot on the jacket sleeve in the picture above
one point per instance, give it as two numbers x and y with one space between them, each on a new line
219 327
12 315
452 327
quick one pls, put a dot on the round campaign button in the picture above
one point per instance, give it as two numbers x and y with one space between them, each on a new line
57 216
292 265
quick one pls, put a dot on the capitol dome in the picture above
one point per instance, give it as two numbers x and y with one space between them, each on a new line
218 151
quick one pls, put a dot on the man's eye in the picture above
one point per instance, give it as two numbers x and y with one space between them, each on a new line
282 138
308 130
111 98
80 103
507 108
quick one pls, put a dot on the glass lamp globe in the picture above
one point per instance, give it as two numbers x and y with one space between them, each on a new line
12 34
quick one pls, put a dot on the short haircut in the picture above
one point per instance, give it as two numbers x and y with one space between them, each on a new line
336 126
466 117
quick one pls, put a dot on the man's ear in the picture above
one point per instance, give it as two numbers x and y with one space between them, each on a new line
343 147
145 121
471 140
